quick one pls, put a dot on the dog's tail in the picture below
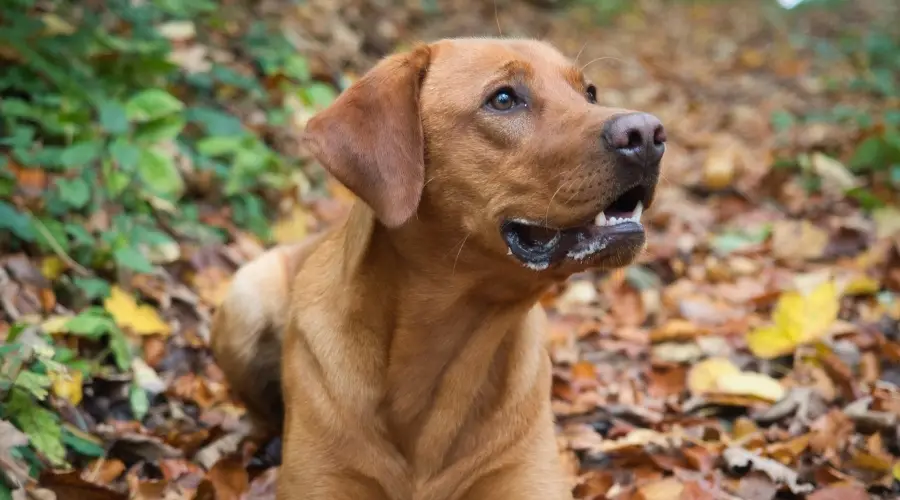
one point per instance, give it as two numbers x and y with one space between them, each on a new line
247 332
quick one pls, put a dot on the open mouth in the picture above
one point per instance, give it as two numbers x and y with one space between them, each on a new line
617 227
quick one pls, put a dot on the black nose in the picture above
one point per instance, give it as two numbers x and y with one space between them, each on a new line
638 138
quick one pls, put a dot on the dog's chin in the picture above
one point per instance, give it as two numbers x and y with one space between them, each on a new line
613 238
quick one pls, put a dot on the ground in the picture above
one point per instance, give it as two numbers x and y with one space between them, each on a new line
752 352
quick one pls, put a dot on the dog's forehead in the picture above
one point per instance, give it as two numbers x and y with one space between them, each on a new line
483 58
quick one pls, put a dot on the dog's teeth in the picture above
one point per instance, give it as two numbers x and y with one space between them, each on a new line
601 219
638 210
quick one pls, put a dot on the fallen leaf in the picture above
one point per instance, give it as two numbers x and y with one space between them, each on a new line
68 385
71 485
693 490
703 377
836 178
15 470
798 318
142 320
719 167
841 491
740 459
664 489
228 479
752 384
798 240
887 222
292 228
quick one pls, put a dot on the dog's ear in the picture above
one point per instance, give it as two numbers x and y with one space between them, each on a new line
371 137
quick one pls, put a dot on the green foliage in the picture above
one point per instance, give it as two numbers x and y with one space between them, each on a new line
93 99
101 138
874 55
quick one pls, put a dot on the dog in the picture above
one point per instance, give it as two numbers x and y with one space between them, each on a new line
400 354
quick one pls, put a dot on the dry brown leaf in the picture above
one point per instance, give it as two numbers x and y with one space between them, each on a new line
664 489
798 240
841 491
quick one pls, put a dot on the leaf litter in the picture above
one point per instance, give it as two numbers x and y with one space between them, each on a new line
753 352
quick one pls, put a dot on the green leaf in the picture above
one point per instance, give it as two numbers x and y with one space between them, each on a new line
865 198
296 67
35 383
91 323
782 121
74 192
39 424
162 129
16 222
113 117
140 403
159 173
80 154
92 288
868 155
52 228
319 95
733 241
218 146
121 350
126 155
151 104
132 259
83 443
216 122
5 493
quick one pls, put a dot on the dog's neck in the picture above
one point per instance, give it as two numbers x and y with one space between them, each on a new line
449 329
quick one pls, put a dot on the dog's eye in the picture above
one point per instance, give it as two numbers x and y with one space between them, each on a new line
504 99
592 94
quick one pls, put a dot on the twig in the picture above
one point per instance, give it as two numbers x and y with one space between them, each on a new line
57 249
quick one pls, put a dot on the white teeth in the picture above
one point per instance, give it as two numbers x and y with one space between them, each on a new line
602 220
638 210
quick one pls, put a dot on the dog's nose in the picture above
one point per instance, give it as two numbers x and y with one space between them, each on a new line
637 138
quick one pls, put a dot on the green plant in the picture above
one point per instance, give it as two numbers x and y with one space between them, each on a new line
113 146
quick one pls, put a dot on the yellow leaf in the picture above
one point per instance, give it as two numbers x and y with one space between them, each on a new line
753 384
292 228
721 377
67 385
862 285
55 324
769 342
719 167
52 267
896 471
704 375
798 319
143 320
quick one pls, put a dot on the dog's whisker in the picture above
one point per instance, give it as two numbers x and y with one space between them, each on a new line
497 19
579 52
592 61
550 203
458 253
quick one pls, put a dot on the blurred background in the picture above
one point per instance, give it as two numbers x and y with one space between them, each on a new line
148 148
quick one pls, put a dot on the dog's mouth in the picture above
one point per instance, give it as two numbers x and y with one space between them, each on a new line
615 229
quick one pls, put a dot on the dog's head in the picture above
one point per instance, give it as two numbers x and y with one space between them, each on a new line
501 142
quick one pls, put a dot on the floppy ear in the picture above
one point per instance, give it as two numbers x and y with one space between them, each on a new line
371 137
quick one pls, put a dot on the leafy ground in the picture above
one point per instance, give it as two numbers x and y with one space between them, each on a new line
754 351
